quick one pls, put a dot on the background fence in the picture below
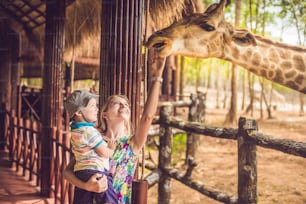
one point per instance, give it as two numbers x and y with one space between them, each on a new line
24 143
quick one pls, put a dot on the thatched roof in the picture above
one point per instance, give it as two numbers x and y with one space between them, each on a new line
163 13
82 31
83 21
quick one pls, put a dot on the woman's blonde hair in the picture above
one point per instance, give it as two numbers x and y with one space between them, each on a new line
103 122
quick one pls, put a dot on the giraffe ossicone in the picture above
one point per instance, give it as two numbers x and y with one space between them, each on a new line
207 35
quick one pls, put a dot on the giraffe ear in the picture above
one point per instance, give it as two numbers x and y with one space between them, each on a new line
244 38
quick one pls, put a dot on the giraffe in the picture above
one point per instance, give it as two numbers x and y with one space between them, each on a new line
208 35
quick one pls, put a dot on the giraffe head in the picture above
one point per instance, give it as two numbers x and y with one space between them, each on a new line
208 35
199 35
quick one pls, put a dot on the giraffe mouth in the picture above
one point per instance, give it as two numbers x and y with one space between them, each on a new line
159 45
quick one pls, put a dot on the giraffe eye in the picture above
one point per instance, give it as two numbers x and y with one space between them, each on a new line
207 27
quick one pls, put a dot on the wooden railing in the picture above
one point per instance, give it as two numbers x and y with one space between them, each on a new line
24 143
24 147
247 137
62 153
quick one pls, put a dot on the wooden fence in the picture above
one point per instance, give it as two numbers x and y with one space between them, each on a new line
25 147
247 137
24 144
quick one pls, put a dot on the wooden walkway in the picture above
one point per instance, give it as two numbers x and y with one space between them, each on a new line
15 189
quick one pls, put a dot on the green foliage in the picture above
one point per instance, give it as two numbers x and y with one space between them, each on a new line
32 82
293 13
179 142
208 2
85 84
200 72
179 147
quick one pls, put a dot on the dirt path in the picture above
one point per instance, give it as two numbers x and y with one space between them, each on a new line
281 177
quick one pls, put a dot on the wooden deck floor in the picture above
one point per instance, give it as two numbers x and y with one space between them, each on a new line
15 189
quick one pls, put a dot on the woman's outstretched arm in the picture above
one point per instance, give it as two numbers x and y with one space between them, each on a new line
150 106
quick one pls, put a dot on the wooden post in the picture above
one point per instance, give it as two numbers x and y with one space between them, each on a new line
52 99
139 192
196 114
12 136
15 80
5 76
2 126
247 169
120 58
165 155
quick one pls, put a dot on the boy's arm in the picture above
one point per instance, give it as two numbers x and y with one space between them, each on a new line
102 146
105 149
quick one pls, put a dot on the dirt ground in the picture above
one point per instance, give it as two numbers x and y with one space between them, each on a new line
281 178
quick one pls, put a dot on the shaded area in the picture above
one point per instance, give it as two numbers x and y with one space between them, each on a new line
16 189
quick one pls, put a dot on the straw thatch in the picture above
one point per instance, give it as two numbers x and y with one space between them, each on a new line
83 22
163 12
82 29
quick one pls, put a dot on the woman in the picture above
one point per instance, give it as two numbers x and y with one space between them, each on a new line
116 124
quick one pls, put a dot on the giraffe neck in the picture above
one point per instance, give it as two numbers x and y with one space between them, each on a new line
280 63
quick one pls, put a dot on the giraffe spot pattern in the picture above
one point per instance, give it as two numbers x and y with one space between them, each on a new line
270 74
292 84
299 63
286 65
299 79
273 56
256 59
279 77
290 74
263 73
253 70
283 53
266 62
235 53
244 58
248 53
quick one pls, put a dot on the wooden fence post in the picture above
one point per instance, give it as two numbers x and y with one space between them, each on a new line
12 135
196 114
3 128
247 169
165 155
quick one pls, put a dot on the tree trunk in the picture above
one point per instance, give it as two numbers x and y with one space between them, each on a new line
251 94
231 116
301 96
181 78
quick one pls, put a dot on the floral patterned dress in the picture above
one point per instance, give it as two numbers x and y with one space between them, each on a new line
122 166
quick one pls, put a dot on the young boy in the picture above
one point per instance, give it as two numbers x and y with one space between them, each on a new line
91 152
